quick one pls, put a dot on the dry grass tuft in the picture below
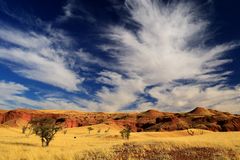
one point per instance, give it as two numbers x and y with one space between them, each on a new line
135 151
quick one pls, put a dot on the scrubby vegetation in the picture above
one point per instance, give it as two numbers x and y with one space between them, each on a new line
90 129
107 130
157 151
24 128
125 133
99 131
190 132
65 131
176 145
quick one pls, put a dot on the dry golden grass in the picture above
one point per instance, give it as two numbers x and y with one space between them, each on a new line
16 146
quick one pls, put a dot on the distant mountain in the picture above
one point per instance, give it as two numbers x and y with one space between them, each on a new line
151 120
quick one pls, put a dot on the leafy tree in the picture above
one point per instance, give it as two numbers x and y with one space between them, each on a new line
45 128
125 133
90 129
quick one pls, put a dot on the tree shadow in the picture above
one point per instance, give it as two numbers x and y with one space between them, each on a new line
18 143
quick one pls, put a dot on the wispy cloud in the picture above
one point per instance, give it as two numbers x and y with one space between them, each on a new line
73 11
19 15
169 43
29 40
123 91
184 97
38 57
158 46
9 89
13 96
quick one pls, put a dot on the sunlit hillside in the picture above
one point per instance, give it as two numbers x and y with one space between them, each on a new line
105 142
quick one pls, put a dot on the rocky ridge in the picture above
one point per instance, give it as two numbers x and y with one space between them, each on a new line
151 120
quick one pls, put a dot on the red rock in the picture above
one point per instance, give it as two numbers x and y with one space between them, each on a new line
151 120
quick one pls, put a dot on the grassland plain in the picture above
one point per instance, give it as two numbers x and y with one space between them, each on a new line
77 144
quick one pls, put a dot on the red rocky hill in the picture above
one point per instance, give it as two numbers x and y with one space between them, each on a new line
151 120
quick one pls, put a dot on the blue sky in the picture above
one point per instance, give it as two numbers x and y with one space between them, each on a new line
120 55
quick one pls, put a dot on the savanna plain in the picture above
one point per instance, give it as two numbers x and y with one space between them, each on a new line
105 143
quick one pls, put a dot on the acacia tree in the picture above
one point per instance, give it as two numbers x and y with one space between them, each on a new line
45 128
90 129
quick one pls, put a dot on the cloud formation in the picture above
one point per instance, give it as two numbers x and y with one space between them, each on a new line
73 11
169 43
159 58
185 97
38 57
10 89
13 96
123 91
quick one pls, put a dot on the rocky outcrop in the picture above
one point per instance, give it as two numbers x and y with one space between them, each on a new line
151 120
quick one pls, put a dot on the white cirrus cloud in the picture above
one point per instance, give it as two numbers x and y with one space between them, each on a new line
9 89
13 96
169 43
116 93
74 10
185 97
38 57
123 91
28 40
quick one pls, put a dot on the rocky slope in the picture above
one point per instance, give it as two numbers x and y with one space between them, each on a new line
151 120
